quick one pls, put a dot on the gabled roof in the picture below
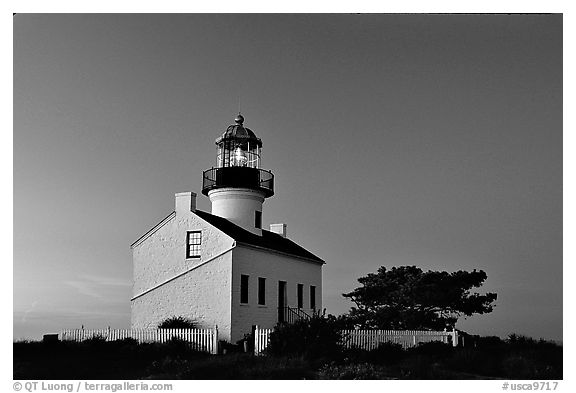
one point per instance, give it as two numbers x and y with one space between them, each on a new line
154 229
269 240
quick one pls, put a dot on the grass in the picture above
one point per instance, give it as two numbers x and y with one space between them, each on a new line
489 357
125 359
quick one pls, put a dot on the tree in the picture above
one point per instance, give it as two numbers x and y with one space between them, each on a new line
405 297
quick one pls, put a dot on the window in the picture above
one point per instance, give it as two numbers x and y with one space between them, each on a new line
282 301
312 297
258 219
261 291
243 288
300 295
193 242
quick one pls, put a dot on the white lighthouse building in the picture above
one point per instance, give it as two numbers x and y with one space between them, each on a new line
222 268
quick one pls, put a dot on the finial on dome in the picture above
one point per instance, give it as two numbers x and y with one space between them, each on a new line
239 119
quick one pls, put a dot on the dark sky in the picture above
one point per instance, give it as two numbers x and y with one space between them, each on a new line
427 140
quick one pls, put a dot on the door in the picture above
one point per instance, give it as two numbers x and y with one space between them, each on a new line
281 300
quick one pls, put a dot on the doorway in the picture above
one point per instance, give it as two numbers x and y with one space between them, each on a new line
281 300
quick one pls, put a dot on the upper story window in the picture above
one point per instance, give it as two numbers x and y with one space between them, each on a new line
258 219
193 244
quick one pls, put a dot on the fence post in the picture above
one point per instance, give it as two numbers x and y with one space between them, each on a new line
454 337
215 341
256 340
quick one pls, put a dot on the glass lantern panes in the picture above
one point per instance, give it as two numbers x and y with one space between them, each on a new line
193 244
236 152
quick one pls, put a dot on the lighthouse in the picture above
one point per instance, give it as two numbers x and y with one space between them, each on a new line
222 268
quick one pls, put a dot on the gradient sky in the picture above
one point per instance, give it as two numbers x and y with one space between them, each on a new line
427 140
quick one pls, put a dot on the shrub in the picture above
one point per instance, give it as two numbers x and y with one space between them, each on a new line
96 344
228 347
177 346
529 358
126 342
352 371
490 342
246 344
477 361
177 323
246 366
167 365
314 338
387 353
433 349
97 339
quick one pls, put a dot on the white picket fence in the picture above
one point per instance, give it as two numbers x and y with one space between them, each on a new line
261 339
371 339
200 339
207 339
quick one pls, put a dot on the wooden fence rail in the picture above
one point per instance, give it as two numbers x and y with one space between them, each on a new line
371 339
200 339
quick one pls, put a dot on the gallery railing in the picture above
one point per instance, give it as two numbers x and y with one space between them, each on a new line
243 177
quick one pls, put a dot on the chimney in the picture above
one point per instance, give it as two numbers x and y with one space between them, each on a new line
279 229
185 202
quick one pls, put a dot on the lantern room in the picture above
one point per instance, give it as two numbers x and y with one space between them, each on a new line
238 160
238 146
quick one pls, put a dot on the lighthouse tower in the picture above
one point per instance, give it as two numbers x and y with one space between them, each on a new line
237 186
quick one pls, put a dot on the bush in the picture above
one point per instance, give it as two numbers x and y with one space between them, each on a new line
166 366
97 339
528 358
477 361
227 347
128 342
314 338
434 350
96 344
352 371
387 353
177 323
246 366
418 366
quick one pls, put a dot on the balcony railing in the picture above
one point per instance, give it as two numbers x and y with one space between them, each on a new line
244 177
291 314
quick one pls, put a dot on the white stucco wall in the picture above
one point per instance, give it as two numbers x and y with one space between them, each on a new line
203 294
162 255
274 267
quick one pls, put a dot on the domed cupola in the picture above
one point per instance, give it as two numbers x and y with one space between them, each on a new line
239 146
239 132
237 186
